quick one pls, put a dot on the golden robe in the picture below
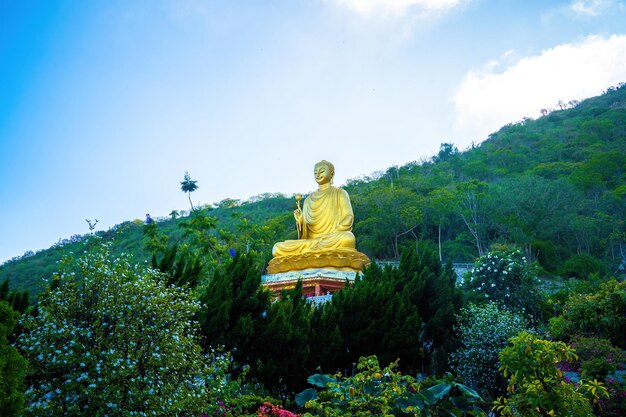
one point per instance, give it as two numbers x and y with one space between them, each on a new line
326 224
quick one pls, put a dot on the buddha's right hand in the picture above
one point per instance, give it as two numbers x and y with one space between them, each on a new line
297 214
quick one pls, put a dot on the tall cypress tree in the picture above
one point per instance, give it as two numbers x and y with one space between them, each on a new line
283 345
406 312
234 304
438 300
12 366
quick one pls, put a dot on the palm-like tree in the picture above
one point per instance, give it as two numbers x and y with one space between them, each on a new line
188 186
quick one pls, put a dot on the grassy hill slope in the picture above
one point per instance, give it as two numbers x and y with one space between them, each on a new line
555 186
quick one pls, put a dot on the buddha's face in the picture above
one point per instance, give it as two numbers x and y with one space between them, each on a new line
322 174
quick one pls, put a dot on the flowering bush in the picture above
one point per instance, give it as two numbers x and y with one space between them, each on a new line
113 340
269 409
615 405
598 358
484 330
592 349
505 277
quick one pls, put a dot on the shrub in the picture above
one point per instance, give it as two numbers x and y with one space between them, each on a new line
549 256
506 278
615 405
598 357
537 386
385 392
557 328
247 404
114 340
599 314
581 266
483 331
268 410
598 368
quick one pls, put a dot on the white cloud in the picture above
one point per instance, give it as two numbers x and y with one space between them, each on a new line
589 7
488 99
586 8
397 7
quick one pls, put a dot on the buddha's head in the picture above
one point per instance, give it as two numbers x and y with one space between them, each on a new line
324 172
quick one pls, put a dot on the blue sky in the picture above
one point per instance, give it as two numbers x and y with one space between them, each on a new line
105 104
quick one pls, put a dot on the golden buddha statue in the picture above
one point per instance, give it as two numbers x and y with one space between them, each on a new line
324 223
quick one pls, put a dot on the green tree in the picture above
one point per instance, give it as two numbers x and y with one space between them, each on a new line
375 316
12 366
406 312
234 303
390 215
599 314
283 344
188 186
471 207
537 386
199 230
581 266
113 339
438 304
18 300
529 207
181 267
440 208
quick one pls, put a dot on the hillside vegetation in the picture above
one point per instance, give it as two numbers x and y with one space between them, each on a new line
194 332
554 186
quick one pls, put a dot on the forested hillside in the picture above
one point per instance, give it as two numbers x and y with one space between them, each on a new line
554 186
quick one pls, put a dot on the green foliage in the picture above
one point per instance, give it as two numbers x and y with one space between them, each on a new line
373 391
615 405
549 255
558 179
114 340
199 230
600 314
12 366
233 304
182 268
388 215
557 328
483 331
598 368
537 386
406 312
188 186
507 278
283 345
530 207
247 404
597 357
581 266
18 300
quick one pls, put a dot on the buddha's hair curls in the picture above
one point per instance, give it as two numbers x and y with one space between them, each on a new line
329 165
